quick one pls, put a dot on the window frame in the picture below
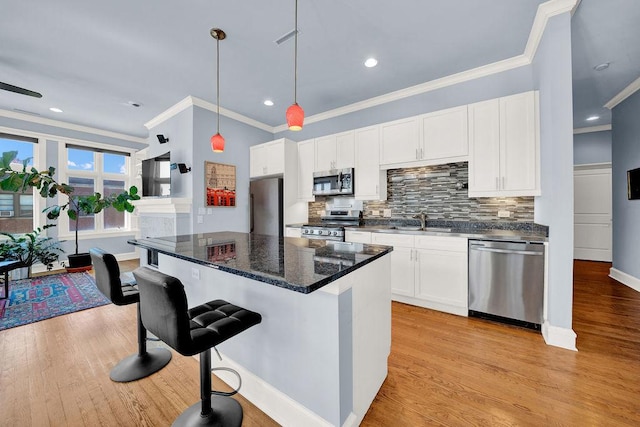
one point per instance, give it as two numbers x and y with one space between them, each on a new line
99 177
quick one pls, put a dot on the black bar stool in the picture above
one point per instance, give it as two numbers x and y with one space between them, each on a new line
163 305
146 362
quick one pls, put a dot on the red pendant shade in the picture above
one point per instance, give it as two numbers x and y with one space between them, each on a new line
295 117
217 143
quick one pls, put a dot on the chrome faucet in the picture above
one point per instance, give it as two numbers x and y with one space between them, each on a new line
422 216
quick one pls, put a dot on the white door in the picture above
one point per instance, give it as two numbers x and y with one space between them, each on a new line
592 213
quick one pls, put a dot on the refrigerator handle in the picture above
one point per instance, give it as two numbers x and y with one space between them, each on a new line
251 213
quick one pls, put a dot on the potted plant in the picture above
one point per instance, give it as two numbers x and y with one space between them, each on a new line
30 248
47 186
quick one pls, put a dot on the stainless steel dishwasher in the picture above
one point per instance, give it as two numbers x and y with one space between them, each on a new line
506 281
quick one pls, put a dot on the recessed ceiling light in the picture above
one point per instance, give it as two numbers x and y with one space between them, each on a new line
268 103
371 62
592 118
55 110
601 67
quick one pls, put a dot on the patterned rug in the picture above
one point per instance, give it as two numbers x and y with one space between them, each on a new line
32 300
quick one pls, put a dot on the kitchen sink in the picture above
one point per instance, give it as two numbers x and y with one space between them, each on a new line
398 229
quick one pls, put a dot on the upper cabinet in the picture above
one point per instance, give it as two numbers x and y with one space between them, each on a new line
434 138
370 181
306 161
334 151
267 159
504 147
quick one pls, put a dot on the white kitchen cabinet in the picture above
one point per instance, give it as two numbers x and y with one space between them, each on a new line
370 181
444 135
441 270
399 141
355 236
334 151
293 232
267 159
504 147
428 271
306 162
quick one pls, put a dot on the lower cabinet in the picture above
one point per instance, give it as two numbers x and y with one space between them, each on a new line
292 232
428 271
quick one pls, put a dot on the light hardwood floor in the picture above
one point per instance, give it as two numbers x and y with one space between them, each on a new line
443 369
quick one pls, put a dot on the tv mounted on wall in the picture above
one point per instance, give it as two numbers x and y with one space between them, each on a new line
633 184
156 176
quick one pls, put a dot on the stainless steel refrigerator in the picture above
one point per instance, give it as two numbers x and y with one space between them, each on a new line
266 215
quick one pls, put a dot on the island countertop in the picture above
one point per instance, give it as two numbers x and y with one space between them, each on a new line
300 265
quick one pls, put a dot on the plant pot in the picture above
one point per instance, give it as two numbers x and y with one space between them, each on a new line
20 273
79 260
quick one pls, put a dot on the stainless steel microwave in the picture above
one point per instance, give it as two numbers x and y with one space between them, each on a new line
333 183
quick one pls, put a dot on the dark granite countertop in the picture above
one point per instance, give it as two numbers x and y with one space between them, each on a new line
301 265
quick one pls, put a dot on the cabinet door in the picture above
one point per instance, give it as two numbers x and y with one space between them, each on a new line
370 181
484 147
306 161
345 150
399 141
518 139
257 160
325 153
402 271
445 134
275 157
357 236
442 277
292 232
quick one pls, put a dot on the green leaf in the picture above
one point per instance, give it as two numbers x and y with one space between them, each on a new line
133 190
7 158
72 214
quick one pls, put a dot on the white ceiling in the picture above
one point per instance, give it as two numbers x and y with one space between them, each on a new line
91 58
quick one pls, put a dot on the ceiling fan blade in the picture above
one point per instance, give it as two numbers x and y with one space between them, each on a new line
22 91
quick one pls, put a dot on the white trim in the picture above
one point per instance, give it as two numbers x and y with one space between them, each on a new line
276 404
592 166
591 129
127 256
624 94
559 337
70 126
191 101
545 11
92 234
625 279
58 265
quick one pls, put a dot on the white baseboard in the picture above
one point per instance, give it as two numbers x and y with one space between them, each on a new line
127 256
559 337
280 407
58 265
625 279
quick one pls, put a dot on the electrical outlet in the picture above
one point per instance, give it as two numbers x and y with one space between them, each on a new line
504 214
387 213
200 219
375 213
195 273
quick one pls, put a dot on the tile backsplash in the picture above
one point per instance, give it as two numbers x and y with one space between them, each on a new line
441 192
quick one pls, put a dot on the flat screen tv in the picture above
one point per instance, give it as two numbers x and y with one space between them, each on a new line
156 176
633 184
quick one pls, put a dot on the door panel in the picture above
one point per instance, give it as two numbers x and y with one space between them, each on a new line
592 214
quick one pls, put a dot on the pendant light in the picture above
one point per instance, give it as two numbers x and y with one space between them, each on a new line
217 141
295 113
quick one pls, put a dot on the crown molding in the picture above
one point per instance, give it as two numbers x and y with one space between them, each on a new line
590 129
624 94
544 13
70 126
192 101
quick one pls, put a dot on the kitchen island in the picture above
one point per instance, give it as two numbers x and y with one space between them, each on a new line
320 354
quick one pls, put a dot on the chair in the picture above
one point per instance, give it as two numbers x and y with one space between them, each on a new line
163 305
108 281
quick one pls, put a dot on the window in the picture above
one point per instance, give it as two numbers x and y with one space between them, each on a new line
91 170
16 209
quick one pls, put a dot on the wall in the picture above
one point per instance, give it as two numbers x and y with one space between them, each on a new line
552 73
626 213
432 189
593 147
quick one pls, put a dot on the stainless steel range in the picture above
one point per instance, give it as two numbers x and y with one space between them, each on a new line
338 213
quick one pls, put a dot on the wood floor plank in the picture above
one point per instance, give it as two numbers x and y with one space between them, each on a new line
444 370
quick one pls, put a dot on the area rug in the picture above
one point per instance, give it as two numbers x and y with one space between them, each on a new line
40 298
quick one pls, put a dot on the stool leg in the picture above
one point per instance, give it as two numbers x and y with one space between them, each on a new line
220 411
142 364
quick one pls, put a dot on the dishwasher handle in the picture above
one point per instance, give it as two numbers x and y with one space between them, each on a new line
505 251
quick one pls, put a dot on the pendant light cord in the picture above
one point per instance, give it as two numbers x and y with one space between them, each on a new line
218 79
295 61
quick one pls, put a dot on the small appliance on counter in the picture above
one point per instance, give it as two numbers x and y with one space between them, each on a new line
333 183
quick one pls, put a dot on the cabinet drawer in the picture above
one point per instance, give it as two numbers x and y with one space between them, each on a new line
357 236
403 240
441 243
